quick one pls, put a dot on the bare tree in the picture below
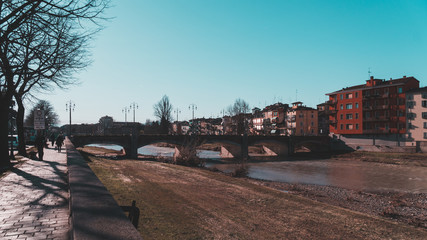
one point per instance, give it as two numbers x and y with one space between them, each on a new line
238 111
163 111
42 42
239 106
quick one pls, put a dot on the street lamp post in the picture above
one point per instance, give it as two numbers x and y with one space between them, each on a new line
134 106
69 106
126 110
192 107
177 111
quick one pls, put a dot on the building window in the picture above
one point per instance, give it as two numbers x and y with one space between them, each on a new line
424 115
425 125
424 95
312 123
349 106
410 97
400 90
349 116
386 126
356 105
411 116
341 107
301 124
349 96
356 94
341 97
356 115
341 116
411 104
357 126
424 103
349 126
342 126
425 135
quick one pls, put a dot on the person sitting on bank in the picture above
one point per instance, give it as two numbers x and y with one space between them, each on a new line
40 143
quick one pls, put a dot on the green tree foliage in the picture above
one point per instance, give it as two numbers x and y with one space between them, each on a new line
51 118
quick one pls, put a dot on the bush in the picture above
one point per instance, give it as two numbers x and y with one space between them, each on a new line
240 171
188 156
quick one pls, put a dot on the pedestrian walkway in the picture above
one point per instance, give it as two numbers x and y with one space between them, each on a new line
34 199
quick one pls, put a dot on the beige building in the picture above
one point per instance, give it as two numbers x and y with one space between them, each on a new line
416 113
302 120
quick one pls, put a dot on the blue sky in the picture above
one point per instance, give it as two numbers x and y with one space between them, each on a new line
211 52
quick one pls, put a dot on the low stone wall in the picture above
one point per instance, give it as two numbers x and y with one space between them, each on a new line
94 212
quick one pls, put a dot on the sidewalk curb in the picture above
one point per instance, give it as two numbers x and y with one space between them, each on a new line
94 214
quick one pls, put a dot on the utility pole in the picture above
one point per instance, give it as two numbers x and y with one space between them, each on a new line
134 106
126 110
69 106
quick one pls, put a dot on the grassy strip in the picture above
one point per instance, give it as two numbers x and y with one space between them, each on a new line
179 202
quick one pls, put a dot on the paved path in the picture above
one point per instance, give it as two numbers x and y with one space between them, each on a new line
34 199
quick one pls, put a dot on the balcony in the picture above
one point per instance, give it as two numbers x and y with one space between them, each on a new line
331 102
376 119
291 119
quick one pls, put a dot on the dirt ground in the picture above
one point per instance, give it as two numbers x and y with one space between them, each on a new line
179 202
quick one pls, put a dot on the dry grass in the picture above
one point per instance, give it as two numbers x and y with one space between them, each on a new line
179 202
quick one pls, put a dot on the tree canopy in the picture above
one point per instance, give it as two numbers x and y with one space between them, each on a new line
42 43
51 118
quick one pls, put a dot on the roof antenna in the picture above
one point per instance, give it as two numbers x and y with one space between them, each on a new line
369 72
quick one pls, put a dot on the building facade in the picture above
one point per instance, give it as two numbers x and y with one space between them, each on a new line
377 107
416 114
302 120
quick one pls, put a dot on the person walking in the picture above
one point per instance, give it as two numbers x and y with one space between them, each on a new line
40 144
59 141
52 138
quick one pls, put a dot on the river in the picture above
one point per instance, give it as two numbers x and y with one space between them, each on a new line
357 175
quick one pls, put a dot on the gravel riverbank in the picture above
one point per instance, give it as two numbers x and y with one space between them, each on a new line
410 208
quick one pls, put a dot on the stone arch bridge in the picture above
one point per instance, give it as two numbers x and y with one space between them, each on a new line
232 146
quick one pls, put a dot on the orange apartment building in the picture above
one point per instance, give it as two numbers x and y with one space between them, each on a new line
377 107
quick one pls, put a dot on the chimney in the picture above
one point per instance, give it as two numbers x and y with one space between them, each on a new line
372 77
404 76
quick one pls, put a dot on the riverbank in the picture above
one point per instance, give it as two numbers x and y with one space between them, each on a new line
189 203
408 159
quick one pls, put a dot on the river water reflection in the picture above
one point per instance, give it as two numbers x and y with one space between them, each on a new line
357 175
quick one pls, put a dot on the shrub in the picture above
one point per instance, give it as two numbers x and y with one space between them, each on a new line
240 171
188 156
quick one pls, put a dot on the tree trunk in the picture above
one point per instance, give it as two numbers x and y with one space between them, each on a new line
4 131
20 126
